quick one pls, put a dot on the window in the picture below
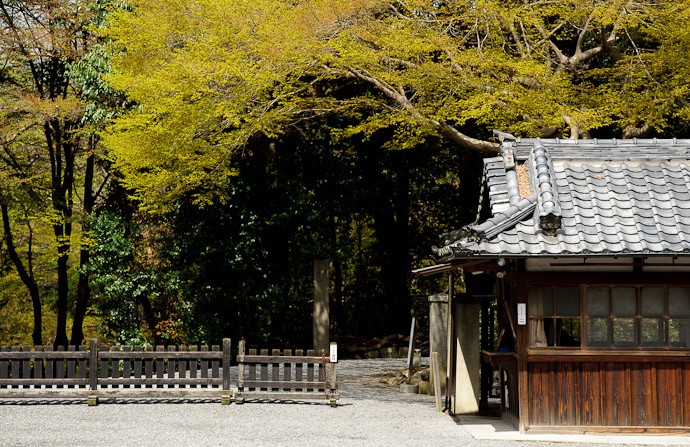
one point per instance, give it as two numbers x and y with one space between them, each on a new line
554 316
613 317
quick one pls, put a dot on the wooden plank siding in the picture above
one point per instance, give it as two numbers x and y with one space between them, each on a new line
581 392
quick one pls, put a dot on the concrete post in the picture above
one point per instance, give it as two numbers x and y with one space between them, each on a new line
467 363
438 333
321 305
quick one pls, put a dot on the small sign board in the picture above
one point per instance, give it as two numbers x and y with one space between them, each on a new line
334 353
522 314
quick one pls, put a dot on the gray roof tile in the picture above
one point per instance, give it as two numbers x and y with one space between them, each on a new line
613 197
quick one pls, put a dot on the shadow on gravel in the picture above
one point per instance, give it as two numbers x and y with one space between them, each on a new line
109 401
150 401
154 401
292 402
24 402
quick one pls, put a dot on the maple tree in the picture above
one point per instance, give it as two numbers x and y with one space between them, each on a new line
48 154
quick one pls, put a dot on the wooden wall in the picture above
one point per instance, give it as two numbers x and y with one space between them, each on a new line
611 391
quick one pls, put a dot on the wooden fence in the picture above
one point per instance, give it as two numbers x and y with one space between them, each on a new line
276 376
122 371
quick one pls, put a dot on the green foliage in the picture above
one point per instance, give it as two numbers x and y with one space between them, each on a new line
117 283
243 267
102 102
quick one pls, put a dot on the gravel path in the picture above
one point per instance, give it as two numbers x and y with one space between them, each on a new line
370 413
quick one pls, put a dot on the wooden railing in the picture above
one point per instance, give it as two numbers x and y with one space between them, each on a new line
282 376
37 372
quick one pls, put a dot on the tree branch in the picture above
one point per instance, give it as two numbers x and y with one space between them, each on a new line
637 132
445 129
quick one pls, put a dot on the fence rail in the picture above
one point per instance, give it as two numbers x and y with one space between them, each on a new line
121 371
282 376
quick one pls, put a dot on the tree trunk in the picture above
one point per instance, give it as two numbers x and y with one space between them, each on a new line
83 289
62 169
150 317
83 297
63 291
25 275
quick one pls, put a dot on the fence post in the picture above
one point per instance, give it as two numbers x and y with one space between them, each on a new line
333 379
225 398
92 400
240 373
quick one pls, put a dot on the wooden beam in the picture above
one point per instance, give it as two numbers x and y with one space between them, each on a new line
447 267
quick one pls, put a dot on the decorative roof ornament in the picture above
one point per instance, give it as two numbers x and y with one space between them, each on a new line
548 207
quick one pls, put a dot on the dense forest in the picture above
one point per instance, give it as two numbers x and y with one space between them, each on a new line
170 169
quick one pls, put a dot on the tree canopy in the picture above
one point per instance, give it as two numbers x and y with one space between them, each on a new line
210 75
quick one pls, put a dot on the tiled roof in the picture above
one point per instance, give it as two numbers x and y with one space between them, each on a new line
589 198
596 149
495 177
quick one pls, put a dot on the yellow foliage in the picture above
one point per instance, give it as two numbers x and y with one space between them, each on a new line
209 75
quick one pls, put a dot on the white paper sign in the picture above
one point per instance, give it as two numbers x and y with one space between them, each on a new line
522 314
334 353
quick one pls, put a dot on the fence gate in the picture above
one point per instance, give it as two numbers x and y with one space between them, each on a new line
287 375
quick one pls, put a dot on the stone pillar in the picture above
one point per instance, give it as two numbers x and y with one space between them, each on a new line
321 305
438 334
467 358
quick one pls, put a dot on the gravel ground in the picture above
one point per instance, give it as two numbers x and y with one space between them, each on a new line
370 413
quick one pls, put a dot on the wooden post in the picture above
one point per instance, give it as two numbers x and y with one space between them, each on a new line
299 369
160 364
410 350
92 400
71 365
4 365
436 374
449 347
275 369
438 333
204 363
215 364
82 363
226 364
240 372
333 379
127 365
321 304
171 367
310 368
26 366
38 365
287 370
486 374
16 363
